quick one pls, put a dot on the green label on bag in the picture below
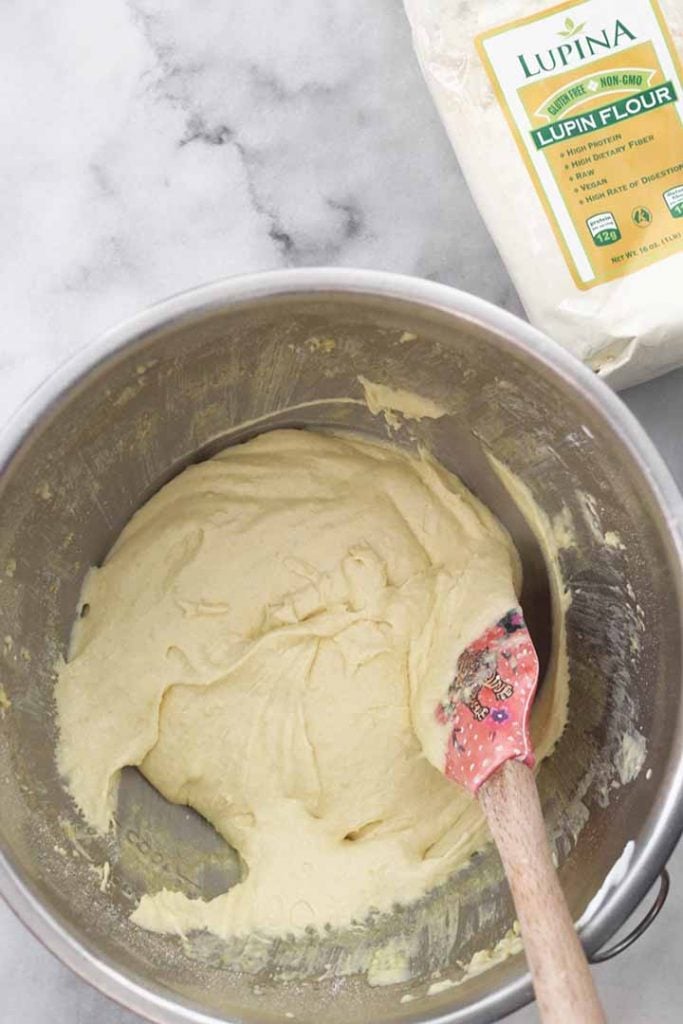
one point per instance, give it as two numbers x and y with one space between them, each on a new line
609 116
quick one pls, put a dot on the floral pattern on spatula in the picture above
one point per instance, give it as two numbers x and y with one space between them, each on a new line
489 702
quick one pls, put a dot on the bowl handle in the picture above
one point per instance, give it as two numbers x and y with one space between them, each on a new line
641 927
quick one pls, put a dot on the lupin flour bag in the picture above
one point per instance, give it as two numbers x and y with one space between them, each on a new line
567 122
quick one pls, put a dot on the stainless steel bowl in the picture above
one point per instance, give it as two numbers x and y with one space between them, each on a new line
179 381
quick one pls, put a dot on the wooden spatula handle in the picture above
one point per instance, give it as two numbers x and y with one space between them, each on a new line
562 980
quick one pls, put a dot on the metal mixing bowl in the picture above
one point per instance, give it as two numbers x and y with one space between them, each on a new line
175 384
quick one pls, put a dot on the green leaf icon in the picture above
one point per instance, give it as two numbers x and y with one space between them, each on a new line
571 29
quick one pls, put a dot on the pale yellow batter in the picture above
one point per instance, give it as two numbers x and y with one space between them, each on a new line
267 640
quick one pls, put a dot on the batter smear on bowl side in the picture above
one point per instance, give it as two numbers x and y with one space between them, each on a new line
265 640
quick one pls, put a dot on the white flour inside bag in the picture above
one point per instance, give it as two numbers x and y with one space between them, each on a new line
567 121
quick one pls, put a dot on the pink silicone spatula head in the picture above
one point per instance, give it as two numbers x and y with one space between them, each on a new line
489 703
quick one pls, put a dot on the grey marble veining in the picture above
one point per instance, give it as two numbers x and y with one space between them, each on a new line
152 145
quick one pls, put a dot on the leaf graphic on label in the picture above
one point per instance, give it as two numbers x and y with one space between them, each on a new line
571 29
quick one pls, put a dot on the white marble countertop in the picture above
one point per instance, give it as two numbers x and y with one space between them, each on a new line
149 146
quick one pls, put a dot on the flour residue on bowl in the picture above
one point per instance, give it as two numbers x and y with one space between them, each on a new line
394 403
630 756
5 702
509 945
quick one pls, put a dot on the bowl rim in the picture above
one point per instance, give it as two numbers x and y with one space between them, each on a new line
643 863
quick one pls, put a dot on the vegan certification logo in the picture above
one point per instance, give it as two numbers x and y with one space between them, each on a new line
641 216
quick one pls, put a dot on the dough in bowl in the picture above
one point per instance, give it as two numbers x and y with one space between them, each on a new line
265 641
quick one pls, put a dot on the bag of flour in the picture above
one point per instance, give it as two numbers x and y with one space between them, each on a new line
567 121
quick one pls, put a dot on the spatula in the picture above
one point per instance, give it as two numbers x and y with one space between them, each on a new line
489 751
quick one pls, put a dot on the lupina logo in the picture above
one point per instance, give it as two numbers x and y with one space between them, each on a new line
578 47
